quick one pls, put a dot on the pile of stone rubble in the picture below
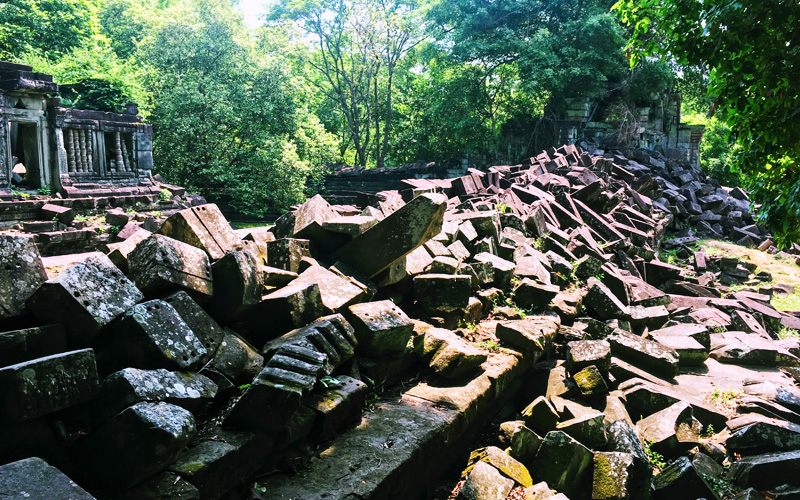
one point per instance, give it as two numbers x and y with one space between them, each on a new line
349 353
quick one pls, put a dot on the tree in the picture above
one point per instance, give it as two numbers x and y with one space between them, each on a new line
359 44
225 121
562 48
50 27
752 51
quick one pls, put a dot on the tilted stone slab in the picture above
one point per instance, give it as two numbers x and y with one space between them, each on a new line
45 385
161 265
750 349
442 293
335 291
395 236
238 285
501 461
31 343
380 327
153 335
765 471
138 442
532 334
217 465
34 478
447 354
132 385
753 433
601 300
237 360
118 252
286 253
86 297
646 353
21 273
582 353
203 227
564 463
292 306
621 476
485 482
198 320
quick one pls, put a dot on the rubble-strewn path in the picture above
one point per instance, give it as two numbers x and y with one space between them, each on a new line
352 353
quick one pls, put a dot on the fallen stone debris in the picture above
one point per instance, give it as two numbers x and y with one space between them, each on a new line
350 352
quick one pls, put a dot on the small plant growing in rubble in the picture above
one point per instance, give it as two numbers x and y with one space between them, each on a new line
788 333
502 208
656 459
724 396
164 195
45 191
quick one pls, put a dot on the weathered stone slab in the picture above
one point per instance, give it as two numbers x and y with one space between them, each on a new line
45 385
139 442
522 442
529 295
161 265
31 343
202 325
238 285
485 482
132 385
680 480
564 463
153 335
34 478
583 353
748 349
590 381
217 465
335 291
395 236
586 429
534 334
118 252
284 309
203 227
690 352
21 273
753 433
442 293
286 253
337 406
412 437
601 300
352 225
647 353
670 431
236 359
620 476
270 400
540 415
380 327
89 294
766 471
503 462
447 354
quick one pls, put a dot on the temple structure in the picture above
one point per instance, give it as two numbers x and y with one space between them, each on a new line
74 152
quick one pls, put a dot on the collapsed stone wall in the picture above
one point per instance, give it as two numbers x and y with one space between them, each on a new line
202 362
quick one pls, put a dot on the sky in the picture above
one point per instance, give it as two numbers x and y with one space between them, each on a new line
252 10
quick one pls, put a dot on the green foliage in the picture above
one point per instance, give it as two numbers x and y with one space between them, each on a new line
656 459
724 396
164 195
54 27
753 64
225 119
45 191
94 77
788 333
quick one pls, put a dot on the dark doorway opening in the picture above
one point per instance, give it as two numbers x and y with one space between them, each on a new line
25 152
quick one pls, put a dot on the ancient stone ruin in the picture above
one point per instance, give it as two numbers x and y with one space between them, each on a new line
356 352
72 151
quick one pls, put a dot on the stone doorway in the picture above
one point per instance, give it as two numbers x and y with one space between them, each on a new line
25 151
